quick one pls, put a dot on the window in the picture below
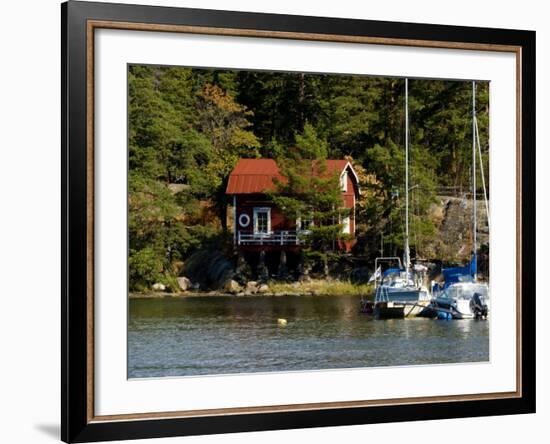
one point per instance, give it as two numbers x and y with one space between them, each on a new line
304 223
346 229
344 181
262 220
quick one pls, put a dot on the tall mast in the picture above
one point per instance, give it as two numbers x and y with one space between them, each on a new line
407 254
474 211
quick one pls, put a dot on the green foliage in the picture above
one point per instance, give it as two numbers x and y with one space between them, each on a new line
309 191
188 127
185 128
309 145
145 268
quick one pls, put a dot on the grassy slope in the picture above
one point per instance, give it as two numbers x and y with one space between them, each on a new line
325 287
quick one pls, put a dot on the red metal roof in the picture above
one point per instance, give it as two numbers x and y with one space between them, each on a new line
336 166
257 175
253 176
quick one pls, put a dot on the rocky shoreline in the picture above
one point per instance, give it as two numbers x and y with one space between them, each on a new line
319 288
190 294
253 288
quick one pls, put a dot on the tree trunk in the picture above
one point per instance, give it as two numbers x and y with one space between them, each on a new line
301 97
222 215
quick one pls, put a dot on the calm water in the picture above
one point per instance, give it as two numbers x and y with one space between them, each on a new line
216 335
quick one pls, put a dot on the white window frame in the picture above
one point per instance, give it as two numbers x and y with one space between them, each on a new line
299 226
346 222
344 181
255 220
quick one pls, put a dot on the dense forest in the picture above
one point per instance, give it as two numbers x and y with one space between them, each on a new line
188 127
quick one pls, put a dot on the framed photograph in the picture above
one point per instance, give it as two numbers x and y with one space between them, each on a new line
276 221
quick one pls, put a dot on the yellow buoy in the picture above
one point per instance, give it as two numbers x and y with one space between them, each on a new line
281 321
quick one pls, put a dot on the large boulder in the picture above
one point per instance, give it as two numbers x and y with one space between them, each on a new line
184 283
263 289
159 287
210 269
251 287
232 287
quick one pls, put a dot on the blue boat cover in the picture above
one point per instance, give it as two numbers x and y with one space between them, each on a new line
391 271
460 274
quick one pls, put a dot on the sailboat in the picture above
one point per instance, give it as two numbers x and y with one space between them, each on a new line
462 296
400 290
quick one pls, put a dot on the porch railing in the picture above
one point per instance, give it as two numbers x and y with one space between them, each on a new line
273 238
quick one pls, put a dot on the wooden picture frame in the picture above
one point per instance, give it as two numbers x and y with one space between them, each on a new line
79 22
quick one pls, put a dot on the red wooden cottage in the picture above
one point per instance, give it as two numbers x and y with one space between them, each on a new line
256 220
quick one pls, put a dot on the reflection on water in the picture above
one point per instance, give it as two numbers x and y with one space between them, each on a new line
227 334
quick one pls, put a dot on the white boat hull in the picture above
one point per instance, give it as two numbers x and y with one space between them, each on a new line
388 310
457 300
400 302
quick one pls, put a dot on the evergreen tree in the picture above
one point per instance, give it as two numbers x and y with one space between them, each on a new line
309 191
225 123
190 126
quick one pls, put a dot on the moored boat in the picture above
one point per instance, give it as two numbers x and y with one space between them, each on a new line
462 300
400 292
461 296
